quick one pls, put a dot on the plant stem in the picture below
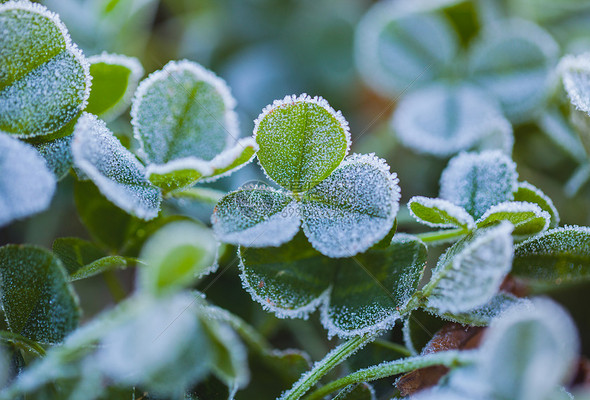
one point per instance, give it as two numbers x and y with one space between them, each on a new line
115 286
451 358
322 367
442 235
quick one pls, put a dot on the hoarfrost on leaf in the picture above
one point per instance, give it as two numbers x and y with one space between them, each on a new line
529 193
557 128
469 274
483 315
478 181
256 216
353 208
57 154
527 218
575 75
44 78
114 170
439 213
26 184
302 140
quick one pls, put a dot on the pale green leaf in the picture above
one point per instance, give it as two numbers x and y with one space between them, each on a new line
529 193
575 75
353 208
439 213
554 124
302 140
527 218
44 78
37 299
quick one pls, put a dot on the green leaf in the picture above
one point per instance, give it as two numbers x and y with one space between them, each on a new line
527 218
26 185
419 327
483 315
357 391
575 75
45 81
104 264
531 194
114 80
560 255
513 59
302 140
176 255
57 154
256 216
353 208
114 170
555 125
357 295
397 45
469 274
439 213
477 182
37 299
22 343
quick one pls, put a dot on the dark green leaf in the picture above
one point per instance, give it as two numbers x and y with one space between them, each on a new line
419 327
357 391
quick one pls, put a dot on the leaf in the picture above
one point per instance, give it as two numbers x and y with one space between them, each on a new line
513 59
439 213
22 343
419 328
37 299
575 75
477 182
353 208
356 295
529 193
44 82
396 47
302 140
357 391
26 185
560 255
175 256
527 218
443 119
114 170
556 127
99 266
256 216
483 315
114 80
469 274
57 154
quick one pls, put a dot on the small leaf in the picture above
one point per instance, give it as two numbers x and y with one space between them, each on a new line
560 255
444 119
57 154
514 59
37 299
527 218
26 185
114 170
575 75
104 264
396 47
357 295
45 81
529 193
357 391
175 256
478 181
353 208
483 315
438 213
302 140
256 216
419 328
114 80
469 274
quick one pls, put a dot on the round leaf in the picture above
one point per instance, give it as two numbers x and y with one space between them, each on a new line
57 154
529 193
575 74
438 213
527 218
301 140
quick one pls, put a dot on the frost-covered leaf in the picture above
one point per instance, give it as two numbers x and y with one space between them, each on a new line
559 255
396 47
357 391
439 213
256 216
531 194
514 59
357 295
114 170
44 78
557 128
527 218
26 185
232 159
529 351
575 75
483 315
175 256
114 80
478 181
444 119
302 140
419 328
469 274
353 208
37 299
57 154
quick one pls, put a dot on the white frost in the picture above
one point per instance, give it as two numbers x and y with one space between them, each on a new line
575 74
456 212
518 207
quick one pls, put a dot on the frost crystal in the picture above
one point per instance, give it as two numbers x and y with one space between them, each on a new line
478 181
353 208
26 184
57 154
531 194
114 170
575 74
439 213
527 218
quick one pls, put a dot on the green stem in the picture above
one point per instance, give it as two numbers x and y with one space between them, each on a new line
442 235
322 367
204 195
115 287
451 358
398 348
